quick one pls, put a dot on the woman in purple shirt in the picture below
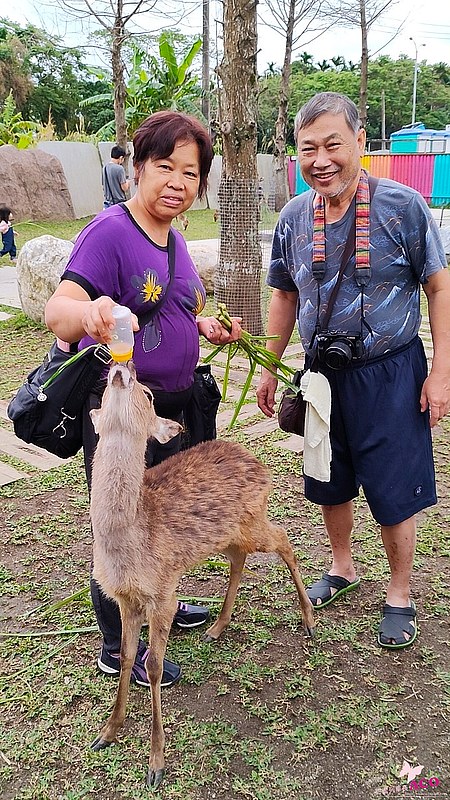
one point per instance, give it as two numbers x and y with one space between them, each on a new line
122 257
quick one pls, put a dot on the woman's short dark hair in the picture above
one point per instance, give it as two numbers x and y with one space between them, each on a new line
4 213
158 135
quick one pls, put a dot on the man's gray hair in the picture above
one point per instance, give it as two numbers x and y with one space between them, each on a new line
327 103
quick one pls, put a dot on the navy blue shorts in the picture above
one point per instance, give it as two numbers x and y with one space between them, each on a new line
380 439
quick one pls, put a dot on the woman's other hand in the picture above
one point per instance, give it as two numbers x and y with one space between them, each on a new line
216 333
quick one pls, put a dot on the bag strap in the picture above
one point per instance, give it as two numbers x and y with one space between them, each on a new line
99 358
346 255
105 173
148 315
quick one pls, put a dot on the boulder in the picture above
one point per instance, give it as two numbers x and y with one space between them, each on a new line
40 264
33 185
205 255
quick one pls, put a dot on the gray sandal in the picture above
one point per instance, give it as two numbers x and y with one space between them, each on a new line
329 588
395 623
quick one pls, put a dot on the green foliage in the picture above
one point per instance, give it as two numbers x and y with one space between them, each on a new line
154 83
394 78
46 78
13 128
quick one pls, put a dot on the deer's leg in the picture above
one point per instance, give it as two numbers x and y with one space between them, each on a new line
283 547
131 625
160 621
237 560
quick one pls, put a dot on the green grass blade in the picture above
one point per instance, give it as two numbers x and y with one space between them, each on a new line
244 393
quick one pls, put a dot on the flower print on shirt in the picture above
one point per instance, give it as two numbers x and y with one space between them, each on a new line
200 300
148 287
149 292
195 299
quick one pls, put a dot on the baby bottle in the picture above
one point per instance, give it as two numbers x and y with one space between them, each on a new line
122 341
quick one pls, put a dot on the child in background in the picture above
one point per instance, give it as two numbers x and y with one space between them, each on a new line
7 231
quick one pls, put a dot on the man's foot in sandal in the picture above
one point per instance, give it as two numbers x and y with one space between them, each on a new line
398 627
329 588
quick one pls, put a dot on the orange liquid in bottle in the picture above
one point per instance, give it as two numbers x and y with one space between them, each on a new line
120 351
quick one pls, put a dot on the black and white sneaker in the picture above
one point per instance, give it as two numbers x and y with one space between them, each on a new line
109 664
190 616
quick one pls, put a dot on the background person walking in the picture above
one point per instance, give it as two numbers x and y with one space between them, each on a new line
114 179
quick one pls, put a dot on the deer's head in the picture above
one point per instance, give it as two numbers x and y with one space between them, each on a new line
127 406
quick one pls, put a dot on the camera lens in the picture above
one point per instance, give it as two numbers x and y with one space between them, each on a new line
338 355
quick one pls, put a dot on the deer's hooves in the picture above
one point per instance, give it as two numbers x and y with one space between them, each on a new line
310 631
154 778
100 744
208 638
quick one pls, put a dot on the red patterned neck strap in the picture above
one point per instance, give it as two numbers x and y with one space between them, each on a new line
362 227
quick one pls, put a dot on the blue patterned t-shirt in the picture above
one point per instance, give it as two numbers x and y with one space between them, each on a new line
405 248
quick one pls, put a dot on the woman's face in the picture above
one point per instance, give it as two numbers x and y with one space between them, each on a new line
168 186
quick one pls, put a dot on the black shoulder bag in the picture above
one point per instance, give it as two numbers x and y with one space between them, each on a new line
47 409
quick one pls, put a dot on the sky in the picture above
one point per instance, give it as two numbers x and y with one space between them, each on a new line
426 21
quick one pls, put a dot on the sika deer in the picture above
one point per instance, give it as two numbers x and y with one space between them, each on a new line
151 526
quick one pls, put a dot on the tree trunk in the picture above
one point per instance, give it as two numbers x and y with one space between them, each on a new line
281 189
364 65
117 66
238 275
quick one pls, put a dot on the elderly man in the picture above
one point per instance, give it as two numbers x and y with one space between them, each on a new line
383 404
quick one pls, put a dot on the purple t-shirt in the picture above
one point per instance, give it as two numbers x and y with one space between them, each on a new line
113 256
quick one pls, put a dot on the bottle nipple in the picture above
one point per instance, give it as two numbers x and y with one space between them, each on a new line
122 341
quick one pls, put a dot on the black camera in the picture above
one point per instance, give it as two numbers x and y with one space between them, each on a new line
337 350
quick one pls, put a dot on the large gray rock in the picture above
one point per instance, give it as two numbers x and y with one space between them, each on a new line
33 185
40 264
205 255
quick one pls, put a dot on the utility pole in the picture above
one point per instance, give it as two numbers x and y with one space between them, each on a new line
383 120
205 63
416 70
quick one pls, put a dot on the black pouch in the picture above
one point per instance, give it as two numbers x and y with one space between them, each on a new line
292 408
201 411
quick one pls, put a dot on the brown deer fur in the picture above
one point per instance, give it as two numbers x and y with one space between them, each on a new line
151 526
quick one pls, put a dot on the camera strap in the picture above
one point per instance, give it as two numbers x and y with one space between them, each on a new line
358 238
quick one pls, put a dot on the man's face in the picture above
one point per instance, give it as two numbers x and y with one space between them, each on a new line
329 155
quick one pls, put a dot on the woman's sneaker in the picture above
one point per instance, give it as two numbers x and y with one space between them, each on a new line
190 616
109 664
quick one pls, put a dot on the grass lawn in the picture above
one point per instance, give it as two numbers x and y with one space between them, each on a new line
263 714
201 226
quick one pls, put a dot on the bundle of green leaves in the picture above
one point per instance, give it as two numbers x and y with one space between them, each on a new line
257 354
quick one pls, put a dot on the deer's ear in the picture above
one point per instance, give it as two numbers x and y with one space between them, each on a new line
95 415
164 429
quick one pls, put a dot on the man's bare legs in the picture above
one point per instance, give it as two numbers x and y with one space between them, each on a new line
399 542
339 524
